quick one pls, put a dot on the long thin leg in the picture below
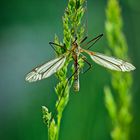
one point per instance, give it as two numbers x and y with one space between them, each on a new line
83 39
75 39
94 39
63 93
89 65
54 44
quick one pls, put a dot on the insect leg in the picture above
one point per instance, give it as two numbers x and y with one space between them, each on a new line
75 39
89 65
54 44
83 39
94 39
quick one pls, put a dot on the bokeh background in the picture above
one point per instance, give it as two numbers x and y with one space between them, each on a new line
26 27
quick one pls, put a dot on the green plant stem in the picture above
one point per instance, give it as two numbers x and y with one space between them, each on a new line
58 125
72 27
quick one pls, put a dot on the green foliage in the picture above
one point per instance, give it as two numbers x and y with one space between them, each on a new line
110 103
118 105
52 127
72 28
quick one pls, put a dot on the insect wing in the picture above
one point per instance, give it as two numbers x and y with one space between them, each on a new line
111 62
46 70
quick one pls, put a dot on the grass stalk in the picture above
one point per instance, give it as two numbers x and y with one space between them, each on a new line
72 27
118 96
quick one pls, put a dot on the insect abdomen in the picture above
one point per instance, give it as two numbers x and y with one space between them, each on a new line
76 84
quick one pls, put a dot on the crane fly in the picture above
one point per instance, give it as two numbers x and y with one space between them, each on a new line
47 69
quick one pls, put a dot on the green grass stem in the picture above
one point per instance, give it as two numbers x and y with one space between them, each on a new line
118 96
72 27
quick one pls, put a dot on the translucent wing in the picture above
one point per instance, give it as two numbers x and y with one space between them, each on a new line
111 62
45 70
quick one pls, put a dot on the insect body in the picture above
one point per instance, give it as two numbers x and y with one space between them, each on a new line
75 54
47 69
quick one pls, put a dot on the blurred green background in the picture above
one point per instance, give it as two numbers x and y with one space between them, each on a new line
26 27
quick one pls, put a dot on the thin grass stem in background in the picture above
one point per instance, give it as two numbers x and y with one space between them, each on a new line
118 96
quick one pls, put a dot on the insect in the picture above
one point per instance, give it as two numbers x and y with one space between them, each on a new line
47 69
